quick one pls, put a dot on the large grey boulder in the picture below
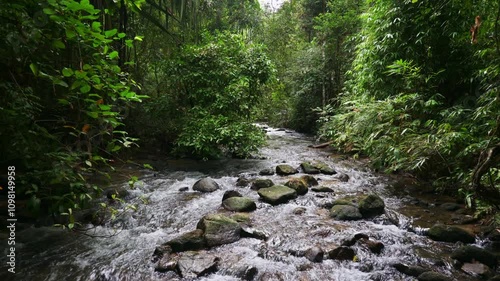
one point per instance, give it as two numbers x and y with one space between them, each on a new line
189 241
472 253
206 185
371 205
285 170
261 183
197 264
277 194
298 185
219 229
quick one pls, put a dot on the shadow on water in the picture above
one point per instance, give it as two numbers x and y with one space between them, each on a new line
170 207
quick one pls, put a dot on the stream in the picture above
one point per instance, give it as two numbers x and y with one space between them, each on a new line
165 209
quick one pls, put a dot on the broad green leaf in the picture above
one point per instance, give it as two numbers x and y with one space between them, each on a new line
85 88
121 35
110 33
34 69
138 38
67 72
58 44
48 11
96 26
113 54
88 163
93 114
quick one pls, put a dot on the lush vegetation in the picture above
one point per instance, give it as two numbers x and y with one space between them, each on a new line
408 83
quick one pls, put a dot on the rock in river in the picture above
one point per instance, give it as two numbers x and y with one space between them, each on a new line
277 194
219 229
262 183
298 185
206 185
239 204
285 170
345 212
371 205
451 234
473 253
188 241
197 264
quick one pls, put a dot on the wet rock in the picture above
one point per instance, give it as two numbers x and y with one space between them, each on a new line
261 183
355 239
206 185
322 189
184 188
189 241
324 168
230 193
285 170
375 247
247 273
315 254
298 185
371 205
345 212
267 172
309 180
477 269
161 251
342 253
414 271
271 276
495 278
242 181
494 235
433 276
277 194
308 168
464 219
250 232
117 192
239 204
241 217
219 229
452 234
166 264
343 177
197 264
450 206
299 210
472 253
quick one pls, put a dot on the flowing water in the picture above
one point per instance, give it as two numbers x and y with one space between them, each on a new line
163 212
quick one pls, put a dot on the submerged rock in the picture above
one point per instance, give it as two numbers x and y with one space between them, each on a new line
433 276
239 204
345 212
315 254
188 241
285 170
298 185
472 253
219 229
242 181
197 264
267 172
342 253
322 189
206 185
410 270
277 194
371 205
451 234
343 177
262 183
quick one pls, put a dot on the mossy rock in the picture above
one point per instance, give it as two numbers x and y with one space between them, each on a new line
472 253
309 180
285 170
262 183
189 241
239 204
451 234
298 185
219 229
277 194
309 168
345 212
371 205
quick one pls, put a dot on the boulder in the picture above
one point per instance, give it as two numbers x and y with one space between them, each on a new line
277 194
450 206
285 170
246 273
414 271
206 185
166 264
345 212
249 232
267 172
239 204
371 205
355 239
342 253
451 234
321 189
315 254
197 264
299 210
472 253
298 185
242 181
309 180
219 229
433 276
375 247
230 193
189 241
308 168
261 183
